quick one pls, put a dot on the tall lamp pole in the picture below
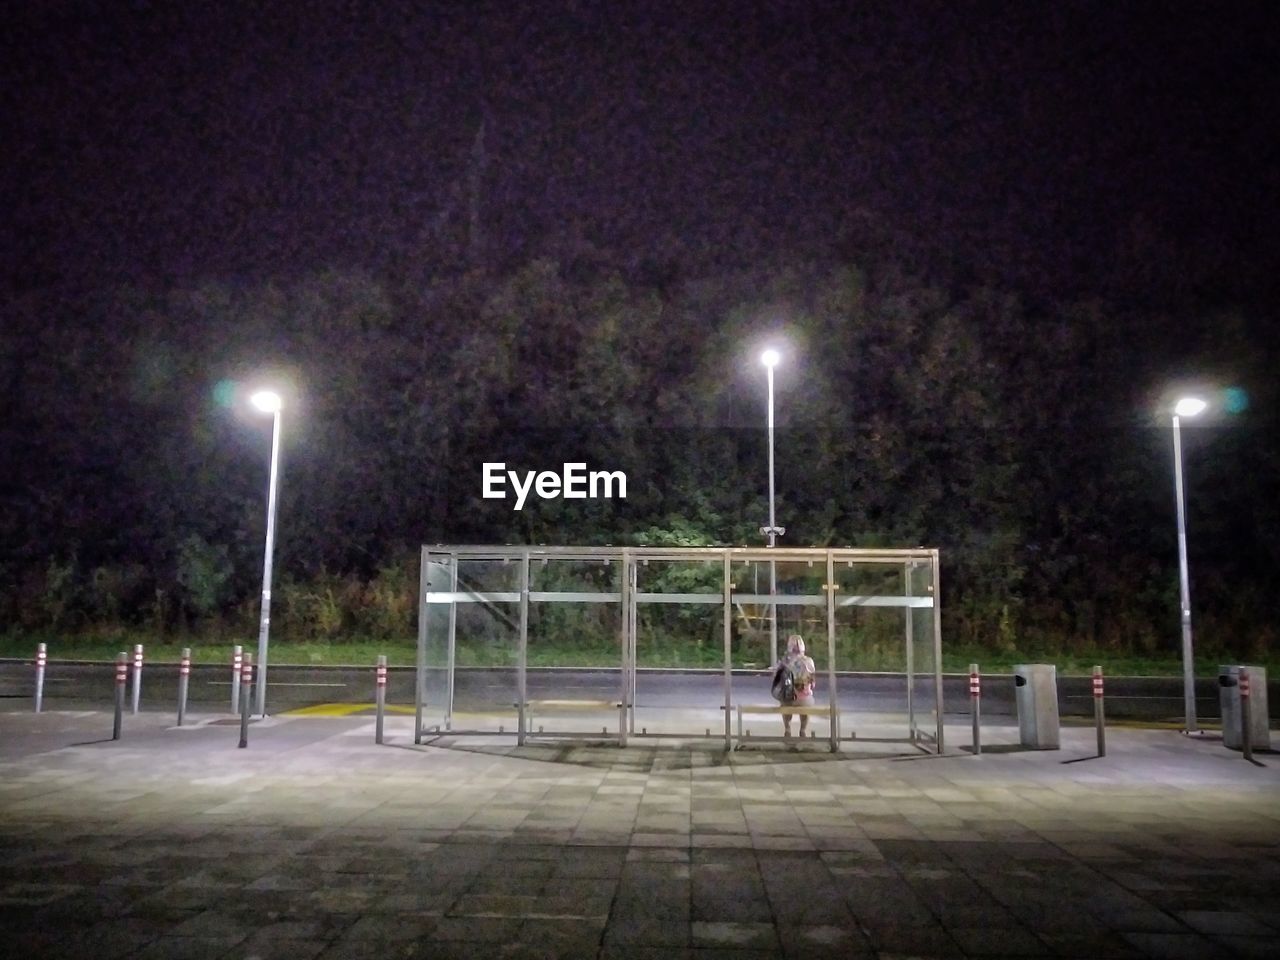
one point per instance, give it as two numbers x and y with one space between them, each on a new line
1186 407
268 402
770 358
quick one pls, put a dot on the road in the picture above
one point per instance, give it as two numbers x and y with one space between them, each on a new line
1145 698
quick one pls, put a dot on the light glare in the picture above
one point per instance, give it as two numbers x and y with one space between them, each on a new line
266 400
770 358
1189 406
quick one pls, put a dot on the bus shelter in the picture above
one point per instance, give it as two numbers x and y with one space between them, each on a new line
615 643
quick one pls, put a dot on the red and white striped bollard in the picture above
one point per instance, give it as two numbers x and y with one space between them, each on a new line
1246 715
1099 711
42 658
137 675
975 707
184 678
122 678
381 681
246 681
236 662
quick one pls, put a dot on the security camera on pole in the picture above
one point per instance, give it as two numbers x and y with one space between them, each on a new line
770 358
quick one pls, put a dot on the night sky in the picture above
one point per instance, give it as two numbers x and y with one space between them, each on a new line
995 238
1052 149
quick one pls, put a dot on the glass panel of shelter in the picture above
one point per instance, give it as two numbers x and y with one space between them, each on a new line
485 645
875 630
926 720
435 674
794 587
576 620
678 625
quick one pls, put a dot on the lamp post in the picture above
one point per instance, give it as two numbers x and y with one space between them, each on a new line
770 358
268 402
1186 407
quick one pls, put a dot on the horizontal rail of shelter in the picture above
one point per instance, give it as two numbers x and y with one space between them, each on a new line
779 599
820 600
514 552
572 704
716 598
513 596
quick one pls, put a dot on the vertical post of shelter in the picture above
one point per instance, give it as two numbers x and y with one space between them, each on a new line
1246 715
975 707
625 694
122 677
453 642
832 693
237 659
246 681
727 623
523 650
1099 711
912 730
420 675
381 683
184 678
937 646
633 628
137 675
42 657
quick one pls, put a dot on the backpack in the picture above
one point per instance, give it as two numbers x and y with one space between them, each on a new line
784 684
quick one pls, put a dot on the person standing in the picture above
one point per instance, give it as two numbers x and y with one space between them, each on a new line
802 672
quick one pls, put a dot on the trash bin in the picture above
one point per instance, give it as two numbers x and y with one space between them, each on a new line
1229 699
1036 691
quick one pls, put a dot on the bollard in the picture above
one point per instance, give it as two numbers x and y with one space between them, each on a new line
975 707
184 678
246 681
1246 716
137 675
1099 711
236 660
42 657
122 677
382 698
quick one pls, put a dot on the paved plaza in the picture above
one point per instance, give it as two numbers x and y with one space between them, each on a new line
316 843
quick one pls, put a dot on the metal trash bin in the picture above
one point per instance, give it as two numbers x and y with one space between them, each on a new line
1229 699
1036 692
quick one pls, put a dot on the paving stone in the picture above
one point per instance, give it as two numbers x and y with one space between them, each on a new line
478 929
389 927
928 940
313 835
734 935
277 948
1222 922
186 948
1003 942
1178 946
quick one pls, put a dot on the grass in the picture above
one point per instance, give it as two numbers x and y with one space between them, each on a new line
401 651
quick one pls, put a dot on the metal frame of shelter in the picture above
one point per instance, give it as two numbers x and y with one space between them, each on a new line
439 585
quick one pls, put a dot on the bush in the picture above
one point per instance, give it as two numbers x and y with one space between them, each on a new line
386 604
203 575
319 610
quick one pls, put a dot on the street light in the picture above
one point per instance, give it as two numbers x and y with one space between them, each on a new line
1186 407
267 402
771 358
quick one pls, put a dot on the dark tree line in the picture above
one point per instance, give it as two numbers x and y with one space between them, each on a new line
1024 440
